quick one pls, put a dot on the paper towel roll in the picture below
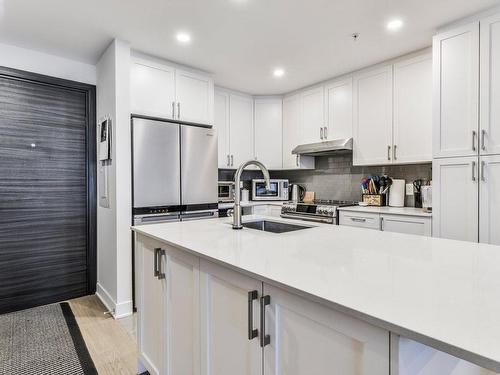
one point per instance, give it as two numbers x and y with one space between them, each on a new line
397 193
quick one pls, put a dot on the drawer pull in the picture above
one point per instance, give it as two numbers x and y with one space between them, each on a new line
358 219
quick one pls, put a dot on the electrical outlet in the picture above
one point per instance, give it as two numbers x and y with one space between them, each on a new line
409 189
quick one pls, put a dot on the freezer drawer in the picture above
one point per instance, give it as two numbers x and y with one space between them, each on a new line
156 163
199 173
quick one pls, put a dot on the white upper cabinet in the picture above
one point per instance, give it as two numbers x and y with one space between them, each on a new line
455 198
413 110
372 128
221 123
152 89
292 119
489 209
159 90
313 115
338 96
490 85
268 131
292 112
308 338
241 134
456 92
195 97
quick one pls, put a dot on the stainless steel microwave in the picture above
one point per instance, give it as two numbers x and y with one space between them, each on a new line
278 191
226 191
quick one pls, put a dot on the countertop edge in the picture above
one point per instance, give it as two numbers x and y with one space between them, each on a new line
466 355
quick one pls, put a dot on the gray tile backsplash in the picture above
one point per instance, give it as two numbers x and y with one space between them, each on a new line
336 178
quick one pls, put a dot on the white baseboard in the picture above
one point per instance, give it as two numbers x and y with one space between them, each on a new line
123 309
118 310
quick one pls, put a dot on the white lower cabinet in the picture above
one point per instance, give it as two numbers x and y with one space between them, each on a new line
228 301
308 338
267 210
421 226
489 206
455 198
168 308
360 219
151 293
413 358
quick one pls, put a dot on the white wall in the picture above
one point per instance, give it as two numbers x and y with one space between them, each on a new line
114 245
43 63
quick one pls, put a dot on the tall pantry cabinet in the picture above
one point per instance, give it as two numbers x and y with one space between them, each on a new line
466 137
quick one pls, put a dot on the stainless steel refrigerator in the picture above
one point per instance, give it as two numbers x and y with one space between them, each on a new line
174 171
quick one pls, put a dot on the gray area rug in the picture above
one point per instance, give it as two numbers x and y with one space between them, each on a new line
43 340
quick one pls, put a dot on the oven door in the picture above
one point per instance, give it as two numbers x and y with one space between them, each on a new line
259 191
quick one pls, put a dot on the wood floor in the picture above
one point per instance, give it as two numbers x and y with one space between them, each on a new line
111 347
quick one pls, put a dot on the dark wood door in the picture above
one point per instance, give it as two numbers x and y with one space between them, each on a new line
46 181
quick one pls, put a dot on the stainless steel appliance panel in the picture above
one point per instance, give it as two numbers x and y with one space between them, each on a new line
199 215
156 163
199 165
153 219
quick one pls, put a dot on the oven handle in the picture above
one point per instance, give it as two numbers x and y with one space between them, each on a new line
330 220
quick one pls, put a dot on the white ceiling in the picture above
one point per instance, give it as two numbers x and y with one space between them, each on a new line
240 41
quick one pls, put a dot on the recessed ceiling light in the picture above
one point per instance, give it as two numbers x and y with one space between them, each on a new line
394 25
183 38
279 72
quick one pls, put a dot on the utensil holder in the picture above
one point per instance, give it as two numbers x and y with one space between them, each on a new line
377 200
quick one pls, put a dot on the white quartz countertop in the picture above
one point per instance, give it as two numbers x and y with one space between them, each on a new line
443 293
408 211
252 204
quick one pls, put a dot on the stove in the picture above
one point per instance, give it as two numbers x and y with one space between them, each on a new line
320 210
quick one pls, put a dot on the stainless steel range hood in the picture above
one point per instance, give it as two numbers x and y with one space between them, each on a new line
324 148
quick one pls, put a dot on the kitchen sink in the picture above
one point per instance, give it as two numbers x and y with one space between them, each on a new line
273 226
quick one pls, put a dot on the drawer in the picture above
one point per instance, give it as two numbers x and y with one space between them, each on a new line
360 219
261 210
407 224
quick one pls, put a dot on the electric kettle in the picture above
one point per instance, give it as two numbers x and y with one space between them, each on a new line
297 192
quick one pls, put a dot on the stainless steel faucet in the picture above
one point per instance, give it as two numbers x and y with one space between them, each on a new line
237 193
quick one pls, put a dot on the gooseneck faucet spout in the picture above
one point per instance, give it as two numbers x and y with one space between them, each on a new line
237 193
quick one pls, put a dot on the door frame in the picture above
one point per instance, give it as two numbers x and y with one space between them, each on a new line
91 156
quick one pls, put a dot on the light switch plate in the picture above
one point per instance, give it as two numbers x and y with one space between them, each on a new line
409 189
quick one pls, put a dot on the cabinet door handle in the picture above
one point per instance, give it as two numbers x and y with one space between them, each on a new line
388 152
156 272
483 135
161 275
232 160
483 164
264 339
297 160
394 151
178 110
173 110
473 171
325 132
228 160
321 133
252 296
473 140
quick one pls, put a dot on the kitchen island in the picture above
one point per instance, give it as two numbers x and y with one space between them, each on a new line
322 287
